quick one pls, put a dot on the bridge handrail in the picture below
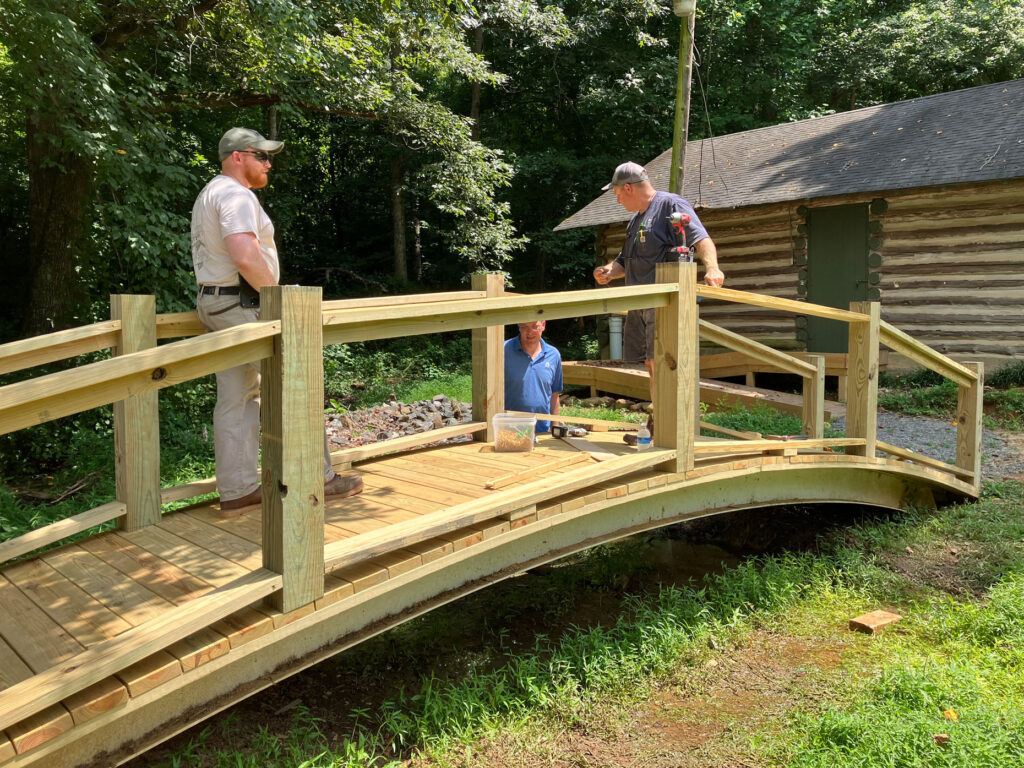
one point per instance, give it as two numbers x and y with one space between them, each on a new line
51 347
784 305
346 325
36 401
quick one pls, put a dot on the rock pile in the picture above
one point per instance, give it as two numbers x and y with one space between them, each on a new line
393 419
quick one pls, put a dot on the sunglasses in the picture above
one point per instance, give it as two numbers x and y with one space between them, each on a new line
262 157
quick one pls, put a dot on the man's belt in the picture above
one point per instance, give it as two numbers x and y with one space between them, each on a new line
223 290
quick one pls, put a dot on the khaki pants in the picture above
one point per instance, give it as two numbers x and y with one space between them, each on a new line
236 417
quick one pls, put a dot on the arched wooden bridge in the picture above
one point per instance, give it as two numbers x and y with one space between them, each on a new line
121 639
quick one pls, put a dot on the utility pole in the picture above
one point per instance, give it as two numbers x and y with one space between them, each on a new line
686 10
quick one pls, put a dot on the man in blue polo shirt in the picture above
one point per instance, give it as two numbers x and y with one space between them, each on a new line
533 373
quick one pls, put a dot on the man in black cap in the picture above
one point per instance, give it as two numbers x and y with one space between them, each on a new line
233 238
651 240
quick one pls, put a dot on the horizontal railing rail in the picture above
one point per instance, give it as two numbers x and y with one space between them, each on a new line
346 325
36 401
53 347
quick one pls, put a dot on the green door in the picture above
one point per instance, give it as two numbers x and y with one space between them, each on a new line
837 269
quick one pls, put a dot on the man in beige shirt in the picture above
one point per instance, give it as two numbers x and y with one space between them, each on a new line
233 237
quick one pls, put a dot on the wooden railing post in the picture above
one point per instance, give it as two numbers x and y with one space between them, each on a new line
968 423
675 365
814 399
136 420
293 444
488 345
862 378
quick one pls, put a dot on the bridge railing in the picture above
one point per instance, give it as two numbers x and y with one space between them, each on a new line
293 388
867 331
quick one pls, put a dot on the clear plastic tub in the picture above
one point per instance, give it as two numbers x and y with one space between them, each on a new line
514 433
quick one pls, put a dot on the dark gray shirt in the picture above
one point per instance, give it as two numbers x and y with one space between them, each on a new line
650 237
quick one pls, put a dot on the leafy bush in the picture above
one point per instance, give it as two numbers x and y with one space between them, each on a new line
1011 375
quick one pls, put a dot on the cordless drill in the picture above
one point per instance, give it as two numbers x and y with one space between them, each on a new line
679 220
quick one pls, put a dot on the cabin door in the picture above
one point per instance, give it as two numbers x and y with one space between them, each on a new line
837 269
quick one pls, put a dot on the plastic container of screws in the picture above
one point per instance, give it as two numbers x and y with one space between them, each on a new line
514 433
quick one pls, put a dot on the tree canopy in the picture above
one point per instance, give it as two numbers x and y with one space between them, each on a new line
424 139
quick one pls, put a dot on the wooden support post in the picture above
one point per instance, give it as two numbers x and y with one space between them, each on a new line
675 366
862 378
968 423
293 445
814 399
488 346
136 420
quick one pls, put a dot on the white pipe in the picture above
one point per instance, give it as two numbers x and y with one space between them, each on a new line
615 337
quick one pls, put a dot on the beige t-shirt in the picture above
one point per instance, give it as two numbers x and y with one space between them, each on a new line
223 208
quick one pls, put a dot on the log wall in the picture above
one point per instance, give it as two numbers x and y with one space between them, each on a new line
951 269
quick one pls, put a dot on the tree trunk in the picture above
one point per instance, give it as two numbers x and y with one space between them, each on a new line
417 242
398 216
58 193
474 104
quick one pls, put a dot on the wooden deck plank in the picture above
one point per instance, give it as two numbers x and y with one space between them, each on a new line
12 668
374 509
128 599
37 639
84 618
39 728
248 525
465 463
96 699
420 486
280 619
145 675
432 549
243 626
335 589
444 477
196 560
221 542
386 490
199 648
363 575
7 750
400 561
156 574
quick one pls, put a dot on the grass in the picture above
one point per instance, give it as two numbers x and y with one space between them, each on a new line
925 393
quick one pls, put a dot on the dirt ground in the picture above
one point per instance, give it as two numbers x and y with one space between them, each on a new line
750 686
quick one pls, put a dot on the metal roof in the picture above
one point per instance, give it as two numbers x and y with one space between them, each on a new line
975 134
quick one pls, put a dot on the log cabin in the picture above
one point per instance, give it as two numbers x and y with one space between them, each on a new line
918 204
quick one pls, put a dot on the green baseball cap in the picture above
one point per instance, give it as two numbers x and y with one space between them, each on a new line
237 139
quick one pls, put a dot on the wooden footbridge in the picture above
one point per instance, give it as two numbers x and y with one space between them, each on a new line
118 640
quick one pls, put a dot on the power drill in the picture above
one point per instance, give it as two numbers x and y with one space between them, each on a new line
679 220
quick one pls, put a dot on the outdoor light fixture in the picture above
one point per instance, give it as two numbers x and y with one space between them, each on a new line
684 8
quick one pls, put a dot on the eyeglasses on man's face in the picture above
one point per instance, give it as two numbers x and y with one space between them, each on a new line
261 157
538 326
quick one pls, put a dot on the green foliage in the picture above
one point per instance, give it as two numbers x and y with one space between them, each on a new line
756 419
938 401
1010 375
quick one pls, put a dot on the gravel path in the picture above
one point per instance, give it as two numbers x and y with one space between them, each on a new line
1002 453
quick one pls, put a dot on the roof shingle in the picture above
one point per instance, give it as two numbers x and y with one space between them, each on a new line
975 134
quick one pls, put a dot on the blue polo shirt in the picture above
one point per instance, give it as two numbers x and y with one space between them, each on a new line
530 383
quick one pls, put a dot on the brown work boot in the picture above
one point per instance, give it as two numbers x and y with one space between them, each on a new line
343 485
235 505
